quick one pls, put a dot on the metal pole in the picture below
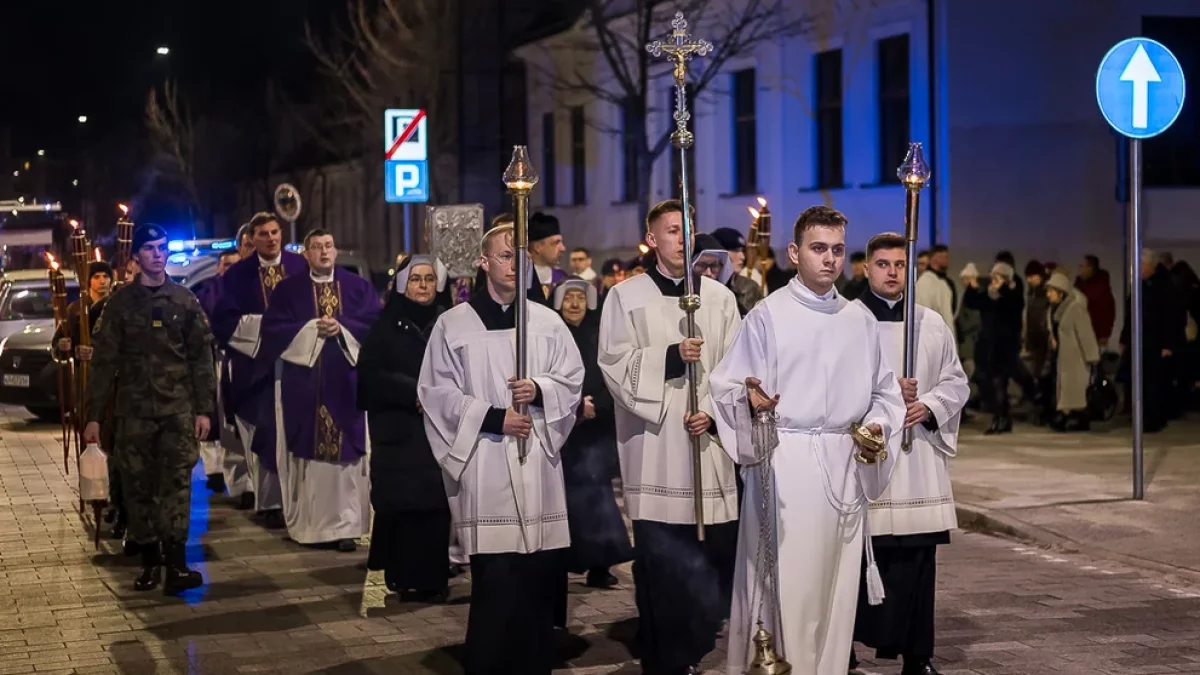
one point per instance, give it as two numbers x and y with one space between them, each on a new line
690 302
521 309
912 207
408 237
1135 321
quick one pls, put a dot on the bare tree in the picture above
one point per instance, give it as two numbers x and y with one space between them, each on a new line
605 59
173 139
394 54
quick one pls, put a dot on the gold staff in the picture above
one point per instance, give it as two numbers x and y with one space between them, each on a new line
758 244
519 178
913 174
679 49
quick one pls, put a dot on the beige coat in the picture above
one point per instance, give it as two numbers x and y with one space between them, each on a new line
1078 351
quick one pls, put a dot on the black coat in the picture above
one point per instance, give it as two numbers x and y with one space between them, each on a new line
999 344
404 474
590 453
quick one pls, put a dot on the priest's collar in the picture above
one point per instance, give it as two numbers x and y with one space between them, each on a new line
493 315
669 286
264 262
826 303
320 278
882 308
545 273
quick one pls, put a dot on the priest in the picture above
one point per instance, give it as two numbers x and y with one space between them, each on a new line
237 321
808 356
310 341
916 513
545 248
509 515
682 585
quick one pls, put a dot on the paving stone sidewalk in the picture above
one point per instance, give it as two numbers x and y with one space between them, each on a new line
274 607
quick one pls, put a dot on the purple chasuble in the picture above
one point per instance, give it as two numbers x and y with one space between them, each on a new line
247 289
321 419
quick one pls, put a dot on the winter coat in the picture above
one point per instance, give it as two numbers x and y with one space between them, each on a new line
1077 351
1102 306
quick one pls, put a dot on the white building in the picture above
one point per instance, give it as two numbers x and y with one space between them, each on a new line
1022 158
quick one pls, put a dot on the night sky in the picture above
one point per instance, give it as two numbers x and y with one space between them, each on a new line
66 58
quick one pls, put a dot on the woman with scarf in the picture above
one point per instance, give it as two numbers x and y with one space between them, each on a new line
411 538
599 538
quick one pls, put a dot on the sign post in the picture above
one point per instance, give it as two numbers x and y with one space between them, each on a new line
1140 88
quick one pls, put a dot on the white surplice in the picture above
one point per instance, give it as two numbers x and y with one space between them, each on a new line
268 495
322 501
824 357
464 375
918 499
637 326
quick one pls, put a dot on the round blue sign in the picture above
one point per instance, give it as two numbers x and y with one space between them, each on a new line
1140 88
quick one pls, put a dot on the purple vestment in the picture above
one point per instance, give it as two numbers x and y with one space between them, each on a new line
321 419
247 291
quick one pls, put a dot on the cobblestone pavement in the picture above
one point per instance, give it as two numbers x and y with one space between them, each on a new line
274 607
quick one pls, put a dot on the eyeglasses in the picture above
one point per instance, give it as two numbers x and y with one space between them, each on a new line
713 267
505 258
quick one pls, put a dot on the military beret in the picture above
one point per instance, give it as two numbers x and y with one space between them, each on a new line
145 233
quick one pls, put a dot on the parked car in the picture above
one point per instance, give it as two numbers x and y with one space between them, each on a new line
28 374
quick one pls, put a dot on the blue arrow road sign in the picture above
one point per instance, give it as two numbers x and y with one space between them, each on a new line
1140 88
406 181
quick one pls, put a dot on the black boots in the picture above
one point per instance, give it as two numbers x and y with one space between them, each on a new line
151 574
999 425
179 577
1073 421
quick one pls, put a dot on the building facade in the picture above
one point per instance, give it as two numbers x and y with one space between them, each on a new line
1002 95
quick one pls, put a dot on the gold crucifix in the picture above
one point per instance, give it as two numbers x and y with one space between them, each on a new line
680 48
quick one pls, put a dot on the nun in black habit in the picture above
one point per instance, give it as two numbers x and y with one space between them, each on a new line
599 538
410 541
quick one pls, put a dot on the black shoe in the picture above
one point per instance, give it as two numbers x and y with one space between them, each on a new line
455 570
999 425
1077 421
216 483
918 667
179 577
151 574
601 578
347 546
110 515
273 520
131 548
426 597
246 501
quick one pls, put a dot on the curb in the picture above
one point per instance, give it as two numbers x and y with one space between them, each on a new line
975 518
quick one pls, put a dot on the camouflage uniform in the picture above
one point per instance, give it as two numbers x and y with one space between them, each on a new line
157 344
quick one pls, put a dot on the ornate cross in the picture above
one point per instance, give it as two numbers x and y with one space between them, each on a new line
680 49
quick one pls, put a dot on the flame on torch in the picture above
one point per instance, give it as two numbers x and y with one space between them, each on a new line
643 249
50 259
753 211
98 258
762 202
124 209
74 223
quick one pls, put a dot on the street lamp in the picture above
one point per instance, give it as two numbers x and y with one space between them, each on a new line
41 153
83 119
163 50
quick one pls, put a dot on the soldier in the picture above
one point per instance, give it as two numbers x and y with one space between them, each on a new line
155 334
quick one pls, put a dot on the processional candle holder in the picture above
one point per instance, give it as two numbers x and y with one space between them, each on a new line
679 49
124 244
758 244
914 174
520 177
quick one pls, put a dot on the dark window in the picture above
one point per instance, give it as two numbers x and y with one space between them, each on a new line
676 190
578 158
829 120
33 302
630 117
549 165
893 59
745 133
1172 159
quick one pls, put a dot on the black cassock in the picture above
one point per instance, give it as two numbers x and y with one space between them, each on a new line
599 538
411 537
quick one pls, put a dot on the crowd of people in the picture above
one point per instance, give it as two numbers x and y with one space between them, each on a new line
318 406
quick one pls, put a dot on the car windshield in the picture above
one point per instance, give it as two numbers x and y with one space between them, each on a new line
32 303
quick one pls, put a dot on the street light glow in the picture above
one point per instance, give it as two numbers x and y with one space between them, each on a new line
75 182
16 173
83 119
164 50
41 153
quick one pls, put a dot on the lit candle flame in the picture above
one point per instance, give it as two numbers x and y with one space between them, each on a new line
643 249
753 211
124 209
74 223
762 202
98 258
50 259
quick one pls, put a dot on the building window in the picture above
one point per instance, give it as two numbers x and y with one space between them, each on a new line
549 164
578 157
676 187
630 116
829 120
1172 159
745 133
893 60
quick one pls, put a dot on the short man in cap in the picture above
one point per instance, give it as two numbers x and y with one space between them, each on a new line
545 247
747 291
155 334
